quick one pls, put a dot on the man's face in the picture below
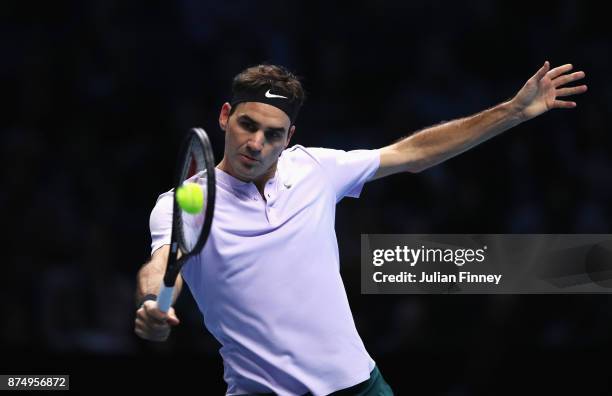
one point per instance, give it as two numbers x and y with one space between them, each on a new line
255 135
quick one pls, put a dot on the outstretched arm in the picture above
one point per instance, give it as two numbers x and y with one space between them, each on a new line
438 143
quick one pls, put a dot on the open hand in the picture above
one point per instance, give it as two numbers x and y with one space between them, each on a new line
541 92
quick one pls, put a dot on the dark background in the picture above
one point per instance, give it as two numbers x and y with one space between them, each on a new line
96 95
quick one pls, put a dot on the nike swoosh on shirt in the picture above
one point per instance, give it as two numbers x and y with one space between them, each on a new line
271 95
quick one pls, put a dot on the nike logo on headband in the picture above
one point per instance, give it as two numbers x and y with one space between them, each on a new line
271 95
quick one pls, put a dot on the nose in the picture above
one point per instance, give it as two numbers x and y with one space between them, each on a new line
256 141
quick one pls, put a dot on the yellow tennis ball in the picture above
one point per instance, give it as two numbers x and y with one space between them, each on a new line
190 198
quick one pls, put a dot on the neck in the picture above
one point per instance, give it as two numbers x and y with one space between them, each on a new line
259 181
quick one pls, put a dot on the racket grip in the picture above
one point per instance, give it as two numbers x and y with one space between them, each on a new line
164 299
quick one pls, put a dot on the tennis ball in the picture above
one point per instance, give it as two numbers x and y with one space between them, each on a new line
190 198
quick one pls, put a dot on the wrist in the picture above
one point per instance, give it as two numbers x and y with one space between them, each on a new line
515 111
145 298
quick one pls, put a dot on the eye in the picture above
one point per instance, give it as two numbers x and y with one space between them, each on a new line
275 135
249 126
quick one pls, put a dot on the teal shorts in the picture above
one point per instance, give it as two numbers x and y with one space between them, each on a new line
375 386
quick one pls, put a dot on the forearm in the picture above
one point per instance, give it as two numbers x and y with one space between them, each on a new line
151 274
438 143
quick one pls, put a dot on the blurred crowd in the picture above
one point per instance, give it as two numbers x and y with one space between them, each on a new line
97 95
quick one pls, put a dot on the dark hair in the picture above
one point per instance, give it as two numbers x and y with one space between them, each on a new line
256 77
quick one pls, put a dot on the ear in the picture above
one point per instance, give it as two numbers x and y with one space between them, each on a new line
290 135
224 115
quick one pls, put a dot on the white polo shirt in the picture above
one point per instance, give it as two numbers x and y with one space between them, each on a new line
268 281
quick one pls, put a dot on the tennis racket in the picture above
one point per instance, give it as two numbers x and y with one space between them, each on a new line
196 164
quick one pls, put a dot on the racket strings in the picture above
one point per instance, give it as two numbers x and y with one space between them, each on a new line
194 170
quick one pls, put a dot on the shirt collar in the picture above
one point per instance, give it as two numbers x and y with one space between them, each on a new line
237 185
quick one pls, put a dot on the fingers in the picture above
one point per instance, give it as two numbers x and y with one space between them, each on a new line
568 78
151 309
542 72
151 332
559 78
152 324
571 90
562 104
172 318
557 71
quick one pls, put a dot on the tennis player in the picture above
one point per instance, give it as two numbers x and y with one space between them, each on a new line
268 282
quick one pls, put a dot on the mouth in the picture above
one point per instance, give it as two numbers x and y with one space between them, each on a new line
247 159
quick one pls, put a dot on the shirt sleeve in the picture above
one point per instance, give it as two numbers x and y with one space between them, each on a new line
347 170
160 222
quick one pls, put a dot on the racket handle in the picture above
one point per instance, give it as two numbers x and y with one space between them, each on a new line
164 299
